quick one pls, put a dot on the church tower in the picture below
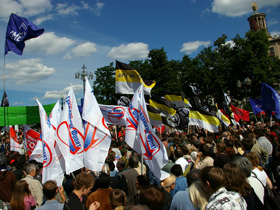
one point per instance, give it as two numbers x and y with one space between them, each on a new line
257 20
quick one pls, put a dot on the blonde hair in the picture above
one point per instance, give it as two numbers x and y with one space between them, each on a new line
197 195
168 181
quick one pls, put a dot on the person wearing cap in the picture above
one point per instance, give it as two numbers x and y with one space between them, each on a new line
7 180
167 182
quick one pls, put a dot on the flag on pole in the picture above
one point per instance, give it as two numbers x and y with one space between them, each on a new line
70 134
37 153
177 99
14 143
114 115
256 105
154 115
270 100
97 134
128 80
207 122
222 118
5 100
51 167
240 113
140 136
165 106
31 137
19 30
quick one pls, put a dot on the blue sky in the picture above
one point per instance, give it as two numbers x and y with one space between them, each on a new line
97 32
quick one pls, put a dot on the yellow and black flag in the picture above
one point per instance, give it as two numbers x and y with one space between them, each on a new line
165 106
154 115
128 80
177 99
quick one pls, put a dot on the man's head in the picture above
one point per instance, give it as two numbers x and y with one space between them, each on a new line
31 169
244 164
212 179
50 189
84 182
133 162
104 181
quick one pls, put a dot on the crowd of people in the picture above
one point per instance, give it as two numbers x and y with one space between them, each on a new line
225 170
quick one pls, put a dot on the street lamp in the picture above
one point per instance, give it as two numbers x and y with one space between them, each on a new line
81 75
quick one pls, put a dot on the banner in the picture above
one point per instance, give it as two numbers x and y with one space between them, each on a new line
19 30
22 115
70 134
240 113
14 144
31 137
97 134
140 135
207 122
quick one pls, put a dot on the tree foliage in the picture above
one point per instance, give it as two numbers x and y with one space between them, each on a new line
216 67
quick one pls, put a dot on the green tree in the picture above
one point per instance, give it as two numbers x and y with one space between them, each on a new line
104 84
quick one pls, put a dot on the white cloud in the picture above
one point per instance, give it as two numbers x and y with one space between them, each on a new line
191 47
206 11
84 49
28 71
40 20
137 50
239 7
64 9
24 8
98 7
272 22
230 43
49 43
275 33
56 94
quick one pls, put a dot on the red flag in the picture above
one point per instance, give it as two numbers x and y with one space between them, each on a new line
31 137
240 113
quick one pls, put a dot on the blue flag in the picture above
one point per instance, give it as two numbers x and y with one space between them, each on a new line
270 100
256 105
19 30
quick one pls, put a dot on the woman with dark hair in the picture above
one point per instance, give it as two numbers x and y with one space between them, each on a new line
21 197
235 180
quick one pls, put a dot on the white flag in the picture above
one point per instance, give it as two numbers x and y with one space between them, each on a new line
70 134
51 167
37 153
97 134
140 136
14 144
114 115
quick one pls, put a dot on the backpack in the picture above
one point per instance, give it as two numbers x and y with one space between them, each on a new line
271 197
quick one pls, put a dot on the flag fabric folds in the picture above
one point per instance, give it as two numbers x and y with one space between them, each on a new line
177 99
97 135
31 137
114 115
256 105
70 134
128 80
14 143
240 113
19 30
37 153
5 100
165 106
141 137
154 115
270 100
51 166
222 118
207 122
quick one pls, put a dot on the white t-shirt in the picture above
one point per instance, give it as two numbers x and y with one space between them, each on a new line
257 186
183 162
261 175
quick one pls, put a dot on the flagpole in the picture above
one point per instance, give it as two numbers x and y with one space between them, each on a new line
141 164
3 94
